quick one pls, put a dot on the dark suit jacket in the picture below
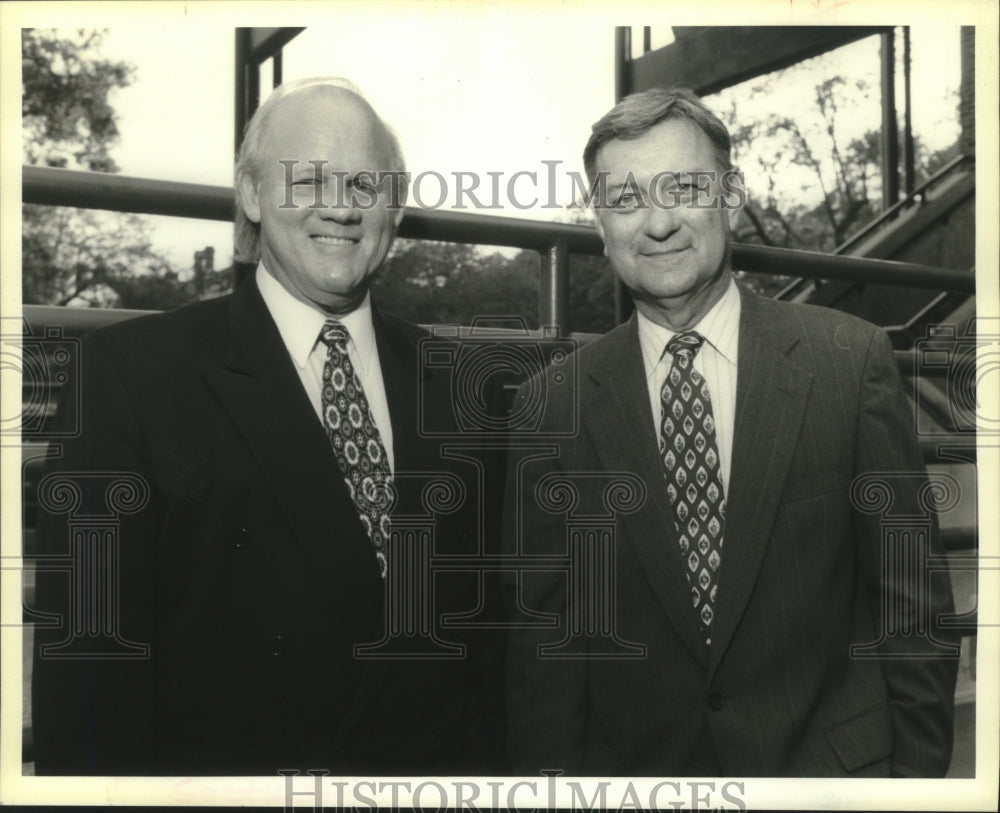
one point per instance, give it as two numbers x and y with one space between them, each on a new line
248 573
819 402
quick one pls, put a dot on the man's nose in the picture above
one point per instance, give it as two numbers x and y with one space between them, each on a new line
341 204
662 220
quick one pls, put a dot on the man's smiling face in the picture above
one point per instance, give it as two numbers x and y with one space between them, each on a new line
664 246
323 255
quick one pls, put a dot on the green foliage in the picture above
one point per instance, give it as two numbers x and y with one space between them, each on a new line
813 182
591 295
67 117
448 283
83 257
789 159
90 258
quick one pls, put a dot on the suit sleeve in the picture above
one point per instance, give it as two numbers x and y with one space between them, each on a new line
919 670
545 696
92 685
481 749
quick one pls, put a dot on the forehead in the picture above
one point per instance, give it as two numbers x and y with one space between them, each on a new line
674 145
328 124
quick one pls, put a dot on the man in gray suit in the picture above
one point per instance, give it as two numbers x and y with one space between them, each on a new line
749 620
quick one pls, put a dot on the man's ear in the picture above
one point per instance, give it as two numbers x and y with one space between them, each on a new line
600 228
401 191
248 197
734 194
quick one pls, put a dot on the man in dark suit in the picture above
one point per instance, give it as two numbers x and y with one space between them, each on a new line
737 608
232 492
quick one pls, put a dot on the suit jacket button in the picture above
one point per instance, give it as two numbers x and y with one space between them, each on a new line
241 538
278 645
716 700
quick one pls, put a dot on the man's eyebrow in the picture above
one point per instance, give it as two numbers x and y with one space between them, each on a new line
305 168
308 169
628 183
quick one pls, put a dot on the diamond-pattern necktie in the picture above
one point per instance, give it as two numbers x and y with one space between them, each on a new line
355 440
691 465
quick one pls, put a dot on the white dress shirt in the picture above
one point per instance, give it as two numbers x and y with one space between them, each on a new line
300 326
716 361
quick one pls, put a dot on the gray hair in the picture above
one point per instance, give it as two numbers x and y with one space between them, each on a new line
637 113
251 156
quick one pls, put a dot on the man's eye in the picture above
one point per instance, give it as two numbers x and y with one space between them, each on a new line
627 201
305 182
676 193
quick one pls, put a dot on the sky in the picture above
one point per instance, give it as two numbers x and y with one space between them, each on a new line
476 95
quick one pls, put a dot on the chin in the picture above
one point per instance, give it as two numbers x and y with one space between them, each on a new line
338 294
339 285
674 287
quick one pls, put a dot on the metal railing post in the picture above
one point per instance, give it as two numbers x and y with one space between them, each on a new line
553 293
890 129
247 82
623 58
909 171
623 87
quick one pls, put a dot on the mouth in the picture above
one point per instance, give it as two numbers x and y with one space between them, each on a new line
327 240
665 252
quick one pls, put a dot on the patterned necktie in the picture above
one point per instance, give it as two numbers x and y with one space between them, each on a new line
356 440
691 465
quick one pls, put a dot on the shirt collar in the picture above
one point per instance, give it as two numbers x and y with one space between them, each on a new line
300 324
720 327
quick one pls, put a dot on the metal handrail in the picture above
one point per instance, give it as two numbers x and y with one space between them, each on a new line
816 265
123 193
798 285
95 190
896 208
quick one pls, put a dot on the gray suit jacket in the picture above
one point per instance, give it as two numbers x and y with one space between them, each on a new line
803 578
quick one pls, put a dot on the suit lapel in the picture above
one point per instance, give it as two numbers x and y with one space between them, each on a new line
771 396
263 394
400 367
615 410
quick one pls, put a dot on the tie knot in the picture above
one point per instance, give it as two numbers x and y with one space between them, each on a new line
335 335
685 345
